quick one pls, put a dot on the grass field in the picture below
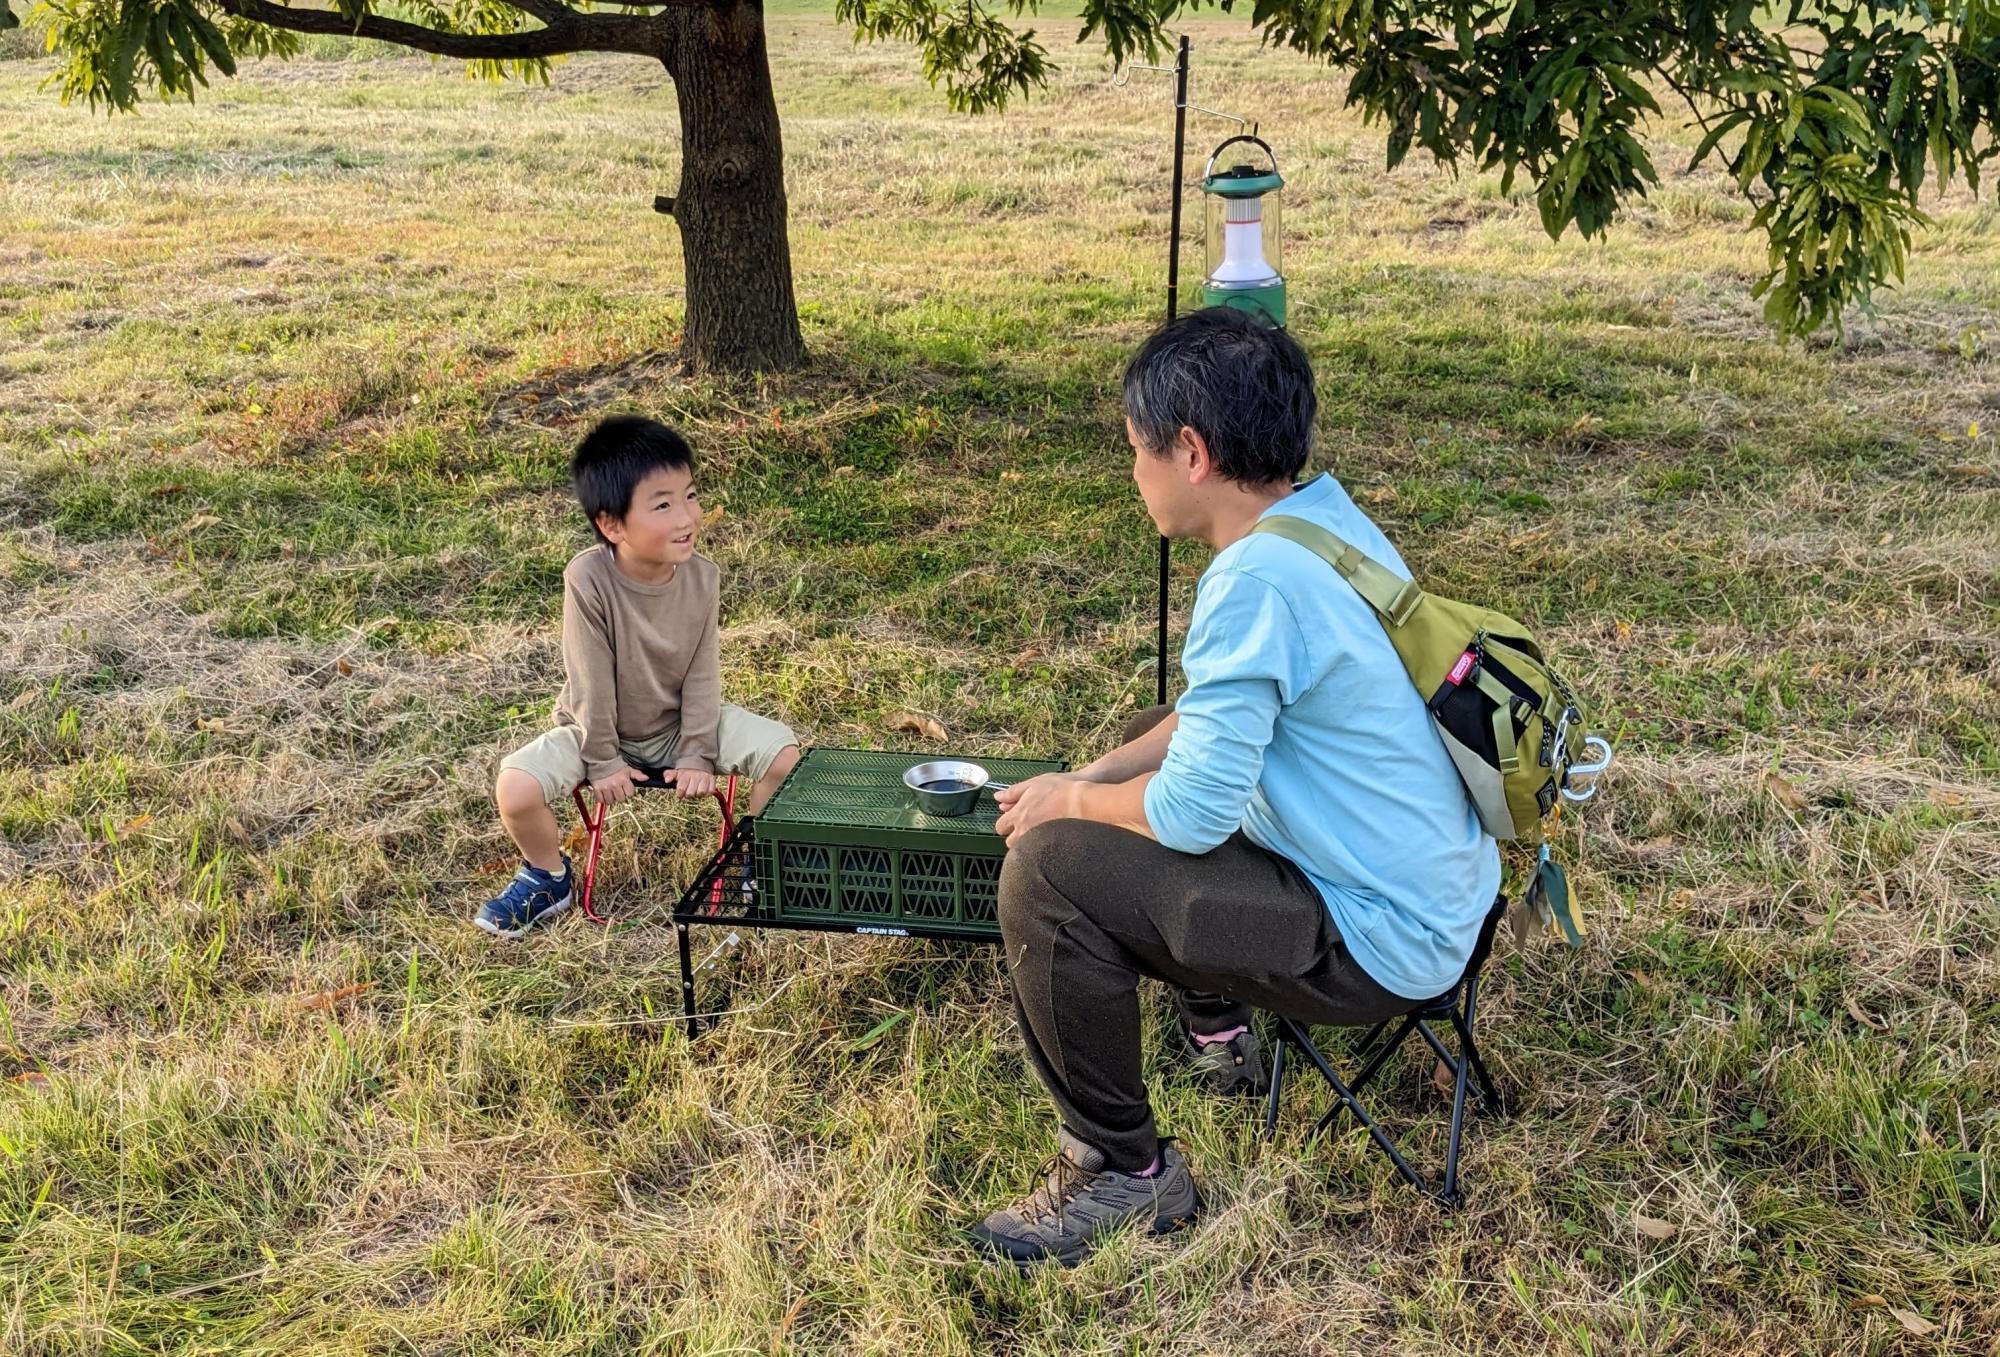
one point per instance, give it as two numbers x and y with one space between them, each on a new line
287 382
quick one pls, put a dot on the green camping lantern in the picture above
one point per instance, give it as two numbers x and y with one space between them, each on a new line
1244 254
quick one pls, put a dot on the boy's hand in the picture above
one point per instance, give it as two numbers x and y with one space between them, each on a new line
617 787
692 782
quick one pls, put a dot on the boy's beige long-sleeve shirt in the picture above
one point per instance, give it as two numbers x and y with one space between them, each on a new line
640 659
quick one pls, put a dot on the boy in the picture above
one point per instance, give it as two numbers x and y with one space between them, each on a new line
643 682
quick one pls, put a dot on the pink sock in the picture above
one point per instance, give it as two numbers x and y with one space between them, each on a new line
1150 1169
1218 1038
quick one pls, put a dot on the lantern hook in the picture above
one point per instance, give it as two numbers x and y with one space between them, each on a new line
1227 117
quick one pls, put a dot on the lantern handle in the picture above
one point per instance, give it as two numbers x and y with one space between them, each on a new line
1256 141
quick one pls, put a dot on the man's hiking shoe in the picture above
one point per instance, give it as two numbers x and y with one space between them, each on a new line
1080 1200
1232 1068
533 896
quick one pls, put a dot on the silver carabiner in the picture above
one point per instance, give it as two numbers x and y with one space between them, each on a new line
1598 745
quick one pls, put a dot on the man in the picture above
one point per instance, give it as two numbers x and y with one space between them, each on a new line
1292 836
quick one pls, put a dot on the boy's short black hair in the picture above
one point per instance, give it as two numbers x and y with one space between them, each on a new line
615 456
1234 378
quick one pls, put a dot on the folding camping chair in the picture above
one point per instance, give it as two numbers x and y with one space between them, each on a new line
655 780
1457 1005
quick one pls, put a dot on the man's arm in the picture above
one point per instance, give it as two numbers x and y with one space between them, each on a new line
1186 782
1128 761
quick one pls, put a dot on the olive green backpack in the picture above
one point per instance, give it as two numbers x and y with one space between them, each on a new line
1509 722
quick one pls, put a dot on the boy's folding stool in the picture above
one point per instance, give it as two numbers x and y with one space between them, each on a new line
654 781
1471 1082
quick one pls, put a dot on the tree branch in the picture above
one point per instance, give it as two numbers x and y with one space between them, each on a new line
554 13
569 31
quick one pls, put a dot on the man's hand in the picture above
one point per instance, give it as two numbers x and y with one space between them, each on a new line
692 782
616 787
1052 796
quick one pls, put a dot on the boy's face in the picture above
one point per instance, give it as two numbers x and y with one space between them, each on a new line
661 524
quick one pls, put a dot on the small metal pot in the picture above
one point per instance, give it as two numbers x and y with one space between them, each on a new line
948 787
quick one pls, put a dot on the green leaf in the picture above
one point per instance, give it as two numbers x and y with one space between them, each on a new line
158 52
183 39
1630 88
1756 154
211 40
1723 127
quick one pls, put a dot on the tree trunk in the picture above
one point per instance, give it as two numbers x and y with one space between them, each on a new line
741 315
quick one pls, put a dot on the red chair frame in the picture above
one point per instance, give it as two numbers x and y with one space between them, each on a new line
655 780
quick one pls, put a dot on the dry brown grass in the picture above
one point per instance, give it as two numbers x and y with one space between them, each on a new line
285 382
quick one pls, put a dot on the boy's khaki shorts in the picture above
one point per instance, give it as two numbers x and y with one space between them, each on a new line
750 745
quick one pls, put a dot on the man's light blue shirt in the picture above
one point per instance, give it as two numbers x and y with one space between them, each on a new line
1301 727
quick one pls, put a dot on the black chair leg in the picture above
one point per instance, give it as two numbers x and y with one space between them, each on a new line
1277 1084
1361 1047
1384 1051
1352 1104
1491 1103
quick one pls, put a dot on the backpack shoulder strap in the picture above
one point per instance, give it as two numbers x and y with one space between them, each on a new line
1388 593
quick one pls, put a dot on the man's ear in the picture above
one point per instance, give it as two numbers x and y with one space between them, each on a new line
1191 451
612 526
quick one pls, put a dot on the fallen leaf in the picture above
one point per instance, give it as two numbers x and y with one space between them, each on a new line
778 417
1381 494
917 725
203 521
342 667
1654 1229
1971 470
1862 1015
1623 630
134 825
24 698
1526 538
334 997
1025 655
1868 1302
1972 430
843 471
578 840
1010 476
162 491
1941 797
712 517
1785 793
1914 1322
785 1324
495 866
236 829
212 723
30 1079
1443 1078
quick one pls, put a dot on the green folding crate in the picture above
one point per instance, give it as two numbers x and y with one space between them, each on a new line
842 846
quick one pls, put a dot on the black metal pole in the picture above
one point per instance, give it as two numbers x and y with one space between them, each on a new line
1173 306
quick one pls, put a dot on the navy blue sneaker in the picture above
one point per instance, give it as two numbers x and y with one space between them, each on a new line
533 896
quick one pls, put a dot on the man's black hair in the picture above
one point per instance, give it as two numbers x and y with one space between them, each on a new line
1234 378
615 456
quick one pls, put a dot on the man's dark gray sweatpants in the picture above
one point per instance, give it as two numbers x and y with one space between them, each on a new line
1087 909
